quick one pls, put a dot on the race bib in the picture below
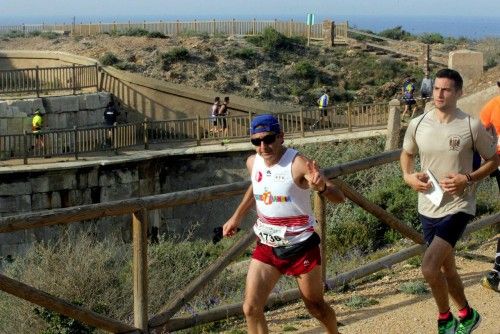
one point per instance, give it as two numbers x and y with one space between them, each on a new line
270 235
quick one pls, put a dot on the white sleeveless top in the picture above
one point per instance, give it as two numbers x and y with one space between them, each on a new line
284 209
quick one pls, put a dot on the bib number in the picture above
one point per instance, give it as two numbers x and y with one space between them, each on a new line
270 235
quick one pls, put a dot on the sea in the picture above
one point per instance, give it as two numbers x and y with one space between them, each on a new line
472 27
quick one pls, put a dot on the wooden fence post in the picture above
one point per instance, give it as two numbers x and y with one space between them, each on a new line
74 79
349 116
96 77
25 142
75 138
37 81
114 138
198 130
140 268
301 117
213 27
320 215
254 27
177 28
195 26
233 28
146 137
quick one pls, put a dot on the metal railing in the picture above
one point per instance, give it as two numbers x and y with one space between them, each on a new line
78 141
44 80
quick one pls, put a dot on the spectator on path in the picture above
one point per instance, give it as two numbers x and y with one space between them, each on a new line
323 104
223 113
36 128
426 87
408 90
214 115
110 115
490 117
287 245
443 138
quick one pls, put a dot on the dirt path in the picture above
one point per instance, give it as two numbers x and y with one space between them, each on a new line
397 312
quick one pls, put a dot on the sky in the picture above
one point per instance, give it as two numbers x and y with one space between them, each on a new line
95 10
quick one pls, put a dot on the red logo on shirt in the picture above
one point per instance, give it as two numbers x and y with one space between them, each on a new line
258 176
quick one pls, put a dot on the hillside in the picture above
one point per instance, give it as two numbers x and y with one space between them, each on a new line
268 67
287 71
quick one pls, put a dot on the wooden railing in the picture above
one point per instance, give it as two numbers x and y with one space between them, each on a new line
138 209
174 28
78 141
44 80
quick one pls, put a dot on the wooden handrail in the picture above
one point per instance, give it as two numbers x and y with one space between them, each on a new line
128 206
48 301
236 309
196 285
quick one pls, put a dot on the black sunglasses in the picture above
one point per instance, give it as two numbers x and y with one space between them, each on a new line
269 139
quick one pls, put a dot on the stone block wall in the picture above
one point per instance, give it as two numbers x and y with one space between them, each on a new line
90 183
60 112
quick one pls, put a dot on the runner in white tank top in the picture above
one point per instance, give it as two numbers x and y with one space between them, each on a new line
281 183
283 208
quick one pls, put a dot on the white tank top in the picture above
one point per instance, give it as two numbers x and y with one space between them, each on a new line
284 209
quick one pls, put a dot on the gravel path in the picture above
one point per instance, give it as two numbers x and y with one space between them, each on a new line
397 312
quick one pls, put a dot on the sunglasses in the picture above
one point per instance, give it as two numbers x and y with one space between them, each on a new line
269 139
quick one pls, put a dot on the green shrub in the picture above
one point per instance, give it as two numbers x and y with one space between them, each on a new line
242 53
273 41
491 62
49 35
136 32
357 302
192 33
210 76
156 34
95 273
431 38
414 288
304 70
60 324
175 55
126 66
35 33
397 33
14 34
109 59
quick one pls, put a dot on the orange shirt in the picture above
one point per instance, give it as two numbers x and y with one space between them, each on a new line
490 116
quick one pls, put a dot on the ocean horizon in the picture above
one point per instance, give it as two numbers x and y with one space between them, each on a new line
449 26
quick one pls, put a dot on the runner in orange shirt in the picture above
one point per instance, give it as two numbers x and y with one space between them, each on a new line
490 117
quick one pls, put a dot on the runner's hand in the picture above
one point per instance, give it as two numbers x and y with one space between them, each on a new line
230 227
314 177
418 181
454 183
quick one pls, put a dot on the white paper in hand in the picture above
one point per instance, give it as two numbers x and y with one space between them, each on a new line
435 194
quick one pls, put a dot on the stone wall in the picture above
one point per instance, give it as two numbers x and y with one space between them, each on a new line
92 182
60 112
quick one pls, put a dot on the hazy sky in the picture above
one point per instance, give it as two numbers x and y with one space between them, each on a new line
250 8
